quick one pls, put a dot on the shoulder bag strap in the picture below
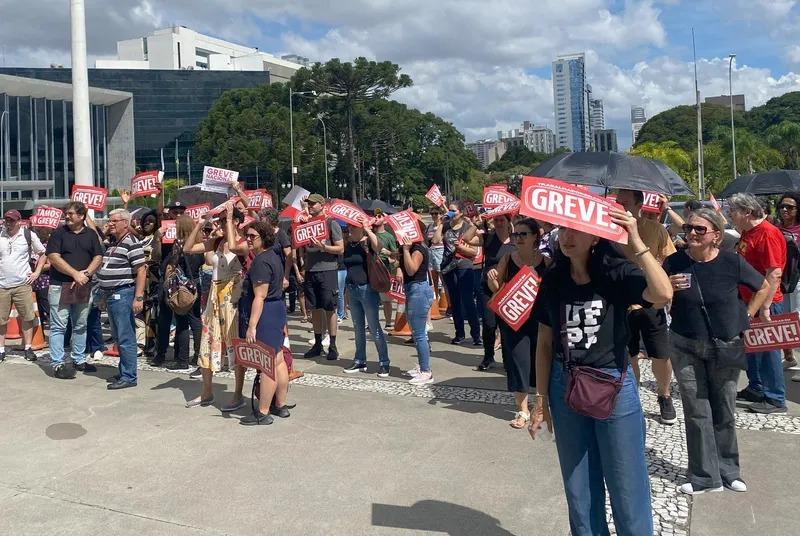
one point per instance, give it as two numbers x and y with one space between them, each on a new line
703 304
562 311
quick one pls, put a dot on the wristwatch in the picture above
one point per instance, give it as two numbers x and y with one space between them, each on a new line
139 298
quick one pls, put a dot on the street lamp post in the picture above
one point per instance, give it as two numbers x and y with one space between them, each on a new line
324 153
291 125
730 90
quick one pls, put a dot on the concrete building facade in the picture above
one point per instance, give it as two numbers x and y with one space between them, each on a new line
488 151
725 100
605 140
570 103
638 119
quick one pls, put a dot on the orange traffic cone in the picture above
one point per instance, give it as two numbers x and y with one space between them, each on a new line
37 343
12 327
401 327
435 313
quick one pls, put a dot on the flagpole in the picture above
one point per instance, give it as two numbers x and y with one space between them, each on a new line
701 178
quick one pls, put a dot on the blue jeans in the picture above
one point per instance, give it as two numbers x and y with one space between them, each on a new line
340 310
364 306
593 452
59 317
419 297
120 313
460 285
765 371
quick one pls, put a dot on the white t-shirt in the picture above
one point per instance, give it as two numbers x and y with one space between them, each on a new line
14 259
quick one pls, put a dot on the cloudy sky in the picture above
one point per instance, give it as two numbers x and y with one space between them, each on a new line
485 65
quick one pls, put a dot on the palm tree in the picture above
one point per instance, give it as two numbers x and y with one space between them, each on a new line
785 138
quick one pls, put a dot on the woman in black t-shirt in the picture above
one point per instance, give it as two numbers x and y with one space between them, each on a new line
707 278
583 301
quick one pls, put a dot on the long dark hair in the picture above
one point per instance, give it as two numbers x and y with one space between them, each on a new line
603 258
534 226
794 196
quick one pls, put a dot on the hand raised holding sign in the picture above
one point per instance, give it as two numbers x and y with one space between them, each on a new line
625 220
125 196
404 241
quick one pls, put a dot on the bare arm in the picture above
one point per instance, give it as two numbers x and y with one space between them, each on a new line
493 278
773 279
95 264
141 278
543 363
372 238
412 261
758 299
191 245
57 262
260 291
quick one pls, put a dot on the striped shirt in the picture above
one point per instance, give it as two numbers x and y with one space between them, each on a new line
119 264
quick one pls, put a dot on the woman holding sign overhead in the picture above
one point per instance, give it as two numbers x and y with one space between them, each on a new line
582 352
519 345
708 318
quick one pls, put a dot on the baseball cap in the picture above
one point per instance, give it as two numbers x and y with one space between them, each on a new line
13 215
176 204
316 198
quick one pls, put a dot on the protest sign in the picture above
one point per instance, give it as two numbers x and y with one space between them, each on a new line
302 233
94 197
347 212
266 201
782 332
435 196
218 180
47 217
146 183
564 205
255 355
255 199
494 197
196 211
714 203
501 187
477 260
500 210
246 221
469 209
652 203
405 224
514 301
396 292
296 196
169 231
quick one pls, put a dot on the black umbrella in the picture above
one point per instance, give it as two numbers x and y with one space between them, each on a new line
371 205
773 182
613 170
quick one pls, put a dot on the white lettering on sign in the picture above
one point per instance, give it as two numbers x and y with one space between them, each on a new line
255 355
310 231
570 206
771 334
652 202
143 184
221 175
196 211
521 300
404 224
348 212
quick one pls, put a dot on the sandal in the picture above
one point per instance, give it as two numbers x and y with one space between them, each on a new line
521 420
199 402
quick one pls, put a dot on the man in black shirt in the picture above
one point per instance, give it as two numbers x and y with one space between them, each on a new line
75 253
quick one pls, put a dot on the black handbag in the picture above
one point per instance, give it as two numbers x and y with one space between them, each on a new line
725 354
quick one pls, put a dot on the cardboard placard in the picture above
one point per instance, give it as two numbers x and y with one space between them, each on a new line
500 210
303 232
435 196
94 197
169 231
513 302
565 205
347 212
396 292
296 196
247 221
494 197
652 203
469 209
255 199
218 180
405 224
146 183
477 260
196 211
256 355
47 217
782 332
266 200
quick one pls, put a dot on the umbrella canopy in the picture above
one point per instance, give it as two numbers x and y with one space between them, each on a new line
773 182
613 170
371 205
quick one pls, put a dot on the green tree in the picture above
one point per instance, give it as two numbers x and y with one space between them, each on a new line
679 124
785 138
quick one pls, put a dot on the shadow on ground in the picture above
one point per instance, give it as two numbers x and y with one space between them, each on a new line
436 516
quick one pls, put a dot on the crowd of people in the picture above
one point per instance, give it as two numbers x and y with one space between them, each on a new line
680 294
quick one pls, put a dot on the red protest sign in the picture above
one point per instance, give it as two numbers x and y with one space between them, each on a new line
396 292
782 332
247 221
346 211
196 211
302 233
93 197
494 197
652 203
435 196
469 209
256 355
169 232
405 224
565 205
477 260
47 217
146 183
267 201
714 203
255 199
500 210
514 301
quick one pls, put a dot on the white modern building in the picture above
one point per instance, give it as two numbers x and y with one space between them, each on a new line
488 151
638 119
179 48
605 140
597 119
537 139
570 102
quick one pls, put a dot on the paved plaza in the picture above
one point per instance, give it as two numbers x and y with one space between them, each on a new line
359 455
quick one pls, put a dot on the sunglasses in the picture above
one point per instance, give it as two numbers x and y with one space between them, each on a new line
699 229
252 236
787 207
521 235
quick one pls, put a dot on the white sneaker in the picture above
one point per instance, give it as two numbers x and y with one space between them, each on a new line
413 373
326 340
688 489
737 485
423 378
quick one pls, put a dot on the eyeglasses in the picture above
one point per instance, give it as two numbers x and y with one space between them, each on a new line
521 235
115 221
787 208
252 236
699 229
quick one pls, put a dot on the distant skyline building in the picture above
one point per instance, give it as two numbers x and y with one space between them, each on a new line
638 119
725 100
538 139
488 151
570 103
181 48
605 140
597 119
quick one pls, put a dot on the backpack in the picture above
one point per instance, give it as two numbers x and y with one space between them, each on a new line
180 289
791 270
